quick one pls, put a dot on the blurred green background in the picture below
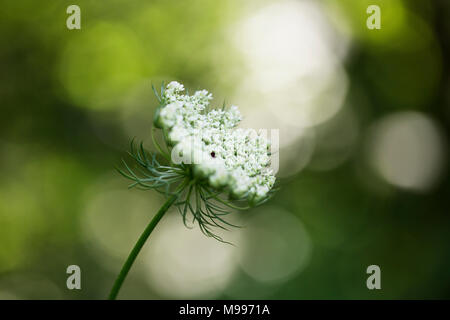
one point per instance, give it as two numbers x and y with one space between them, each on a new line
364 126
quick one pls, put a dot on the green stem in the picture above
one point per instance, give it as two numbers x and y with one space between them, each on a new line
141 241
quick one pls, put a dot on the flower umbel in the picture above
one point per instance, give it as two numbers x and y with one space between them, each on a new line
212 166
235 159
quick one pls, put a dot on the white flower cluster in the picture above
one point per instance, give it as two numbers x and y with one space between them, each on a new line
236 159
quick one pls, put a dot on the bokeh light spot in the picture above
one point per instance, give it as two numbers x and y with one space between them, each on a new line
100 65
184 263
407 150
275 246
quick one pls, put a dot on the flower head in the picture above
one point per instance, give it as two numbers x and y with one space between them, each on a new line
234 159
209 153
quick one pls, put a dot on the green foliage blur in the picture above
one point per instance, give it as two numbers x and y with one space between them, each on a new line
71 100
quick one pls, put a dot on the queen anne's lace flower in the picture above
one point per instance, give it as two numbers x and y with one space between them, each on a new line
211 160
237 160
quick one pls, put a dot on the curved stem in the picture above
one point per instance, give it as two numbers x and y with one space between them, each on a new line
141 241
